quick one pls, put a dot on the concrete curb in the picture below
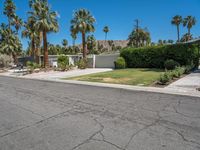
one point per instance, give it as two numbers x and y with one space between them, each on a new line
118 86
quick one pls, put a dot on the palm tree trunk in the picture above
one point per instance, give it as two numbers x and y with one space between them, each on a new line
39 47
74 42
178 33
37 57
84 45
33 48
15 58
188 31
46 56
105 36
9 22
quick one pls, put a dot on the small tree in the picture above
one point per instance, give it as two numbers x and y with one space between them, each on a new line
63 61
91 43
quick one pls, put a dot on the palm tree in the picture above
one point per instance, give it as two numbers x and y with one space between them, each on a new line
189 22
160 42
17 23
186 37
74 37
46 21
177 20
31 33
91 43
9 10
139 37
10 43
64 43
106 30
83 23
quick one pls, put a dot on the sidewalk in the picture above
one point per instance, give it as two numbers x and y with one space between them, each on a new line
55 75
185 86
188 83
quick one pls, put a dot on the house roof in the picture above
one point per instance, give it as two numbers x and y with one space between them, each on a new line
193 41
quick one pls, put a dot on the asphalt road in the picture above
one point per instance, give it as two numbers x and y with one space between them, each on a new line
37 115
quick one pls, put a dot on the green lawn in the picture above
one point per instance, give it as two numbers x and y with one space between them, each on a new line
144 77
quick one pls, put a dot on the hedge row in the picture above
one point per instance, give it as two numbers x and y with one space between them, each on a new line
155 56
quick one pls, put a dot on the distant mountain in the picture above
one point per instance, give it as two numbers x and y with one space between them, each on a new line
109 45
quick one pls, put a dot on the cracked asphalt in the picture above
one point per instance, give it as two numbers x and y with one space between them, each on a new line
39 115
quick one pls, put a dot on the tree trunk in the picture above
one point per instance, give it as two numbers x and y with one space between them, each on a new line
15 58
84 45
178 33
33 48
9 22
74 42
37 57
188 37
46 56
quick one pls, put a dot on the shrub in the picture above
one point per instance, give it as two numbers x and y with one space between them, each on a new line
188 68
178 71
175 74
63 61
120 63
155 56
5 60
82 64
170 64
32 66
165 78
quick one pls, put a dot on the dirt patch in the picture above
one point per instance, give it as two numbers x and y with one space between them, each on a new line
119 80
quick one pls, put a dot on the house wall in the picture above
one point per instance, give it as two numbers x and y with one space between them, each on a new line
105 61
73 59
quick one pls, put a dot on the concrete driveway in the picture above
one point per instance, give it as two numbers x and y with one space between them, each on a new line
188 83
39 115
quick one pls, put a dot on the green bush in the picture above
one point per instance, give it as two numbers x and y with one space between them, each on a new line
32 66
181 70
178 72
82 64
175 74
63 62
170 64
170 75
155 56
188 68
120 63
165 78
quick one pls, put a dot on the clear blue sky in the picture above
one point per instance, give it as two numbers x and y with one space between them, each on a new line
119 15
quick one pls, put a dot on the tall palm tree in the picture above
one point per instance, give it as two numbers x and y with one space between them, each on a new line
83 22
17 23
177 20
31 33
106 30
189 22
9 10
46 21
